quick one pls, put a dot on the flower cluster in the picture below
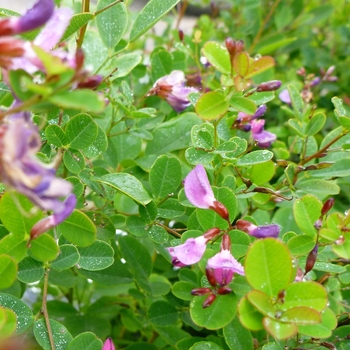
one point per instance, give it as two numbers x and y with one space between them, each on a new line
251 123
221 267
172 88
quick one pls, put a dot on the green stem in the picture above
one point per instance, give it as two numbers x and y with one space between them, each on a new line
262 27
44 309
85 8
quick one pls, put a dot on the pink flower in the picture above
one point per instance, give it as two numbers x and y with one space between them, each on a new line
192 250
172 88
272 230
108 345
221 267
263 138
285 97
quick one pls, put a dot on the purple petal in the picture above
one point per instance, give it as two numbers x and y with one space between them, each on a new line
54 29
259 112
108 345
190 252
264 139
197 188
224 266
272 230
35 17
285 97
69 205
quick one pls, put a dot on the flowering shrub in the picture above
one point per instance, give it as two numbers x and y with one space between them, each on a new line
182 190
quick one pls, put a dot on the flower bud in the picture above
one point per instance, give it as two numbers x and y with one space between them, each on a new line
181 35
230 46
226 242
340 240
200 291
207 302
318 224
311 259
210 273
269 86
211 233
220 209
224 290
281 295
327 206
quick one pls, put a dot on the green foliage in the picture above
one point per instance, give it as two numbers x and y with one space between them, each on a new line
120 142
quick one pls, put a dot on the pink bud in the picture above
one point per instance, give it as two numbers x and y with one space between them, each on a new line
201 291
224 290
207 302
220 209
269 86
327 206
311 259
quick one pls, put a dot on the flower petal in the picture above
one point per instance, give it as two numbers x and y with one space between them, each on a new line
197 188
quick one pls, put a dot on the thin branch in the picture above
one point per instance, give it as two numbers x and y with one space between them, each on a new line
44 310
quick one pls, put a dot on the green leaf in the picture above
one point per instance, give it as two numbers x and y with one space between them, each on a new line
260 65
97 256
161 62
13 246
127 184
301 315
261 98
261 301
78 229
162 313
137 258
67 257
249 316
340 168
298 127
61 336
23 313
55 135
43 248
158 234
12 214
240 243
74 161
205 345
8 271
218 56
182 290
255 157
76 22
203 136
165 176
315 124
159 285
301 245
82 99
170 209
217 315
318 187
149 16
310 294
241 63
81 131
211 105
279 330
148 213
297 101
8 323
30 270
197 156
136 226
172 135
243 104
306 211
85 341
111 23
237 337
125 63
98 146
339 109
268 266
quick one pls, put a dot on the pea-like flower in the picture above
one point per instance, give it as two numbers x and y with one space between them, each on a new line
172 88
192 250
265 231
108 345
263 138
223 265
199 192
22 171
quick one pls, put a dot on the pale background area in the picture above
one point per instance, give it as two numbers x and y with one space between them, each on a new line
16 5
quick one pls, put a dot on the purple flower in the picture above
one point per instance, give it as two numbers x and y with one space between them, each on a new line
221 267
192 250
197 188
21 170
108 345
188 253
35 17
172 88
271 85
285 97
272 230
263 138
